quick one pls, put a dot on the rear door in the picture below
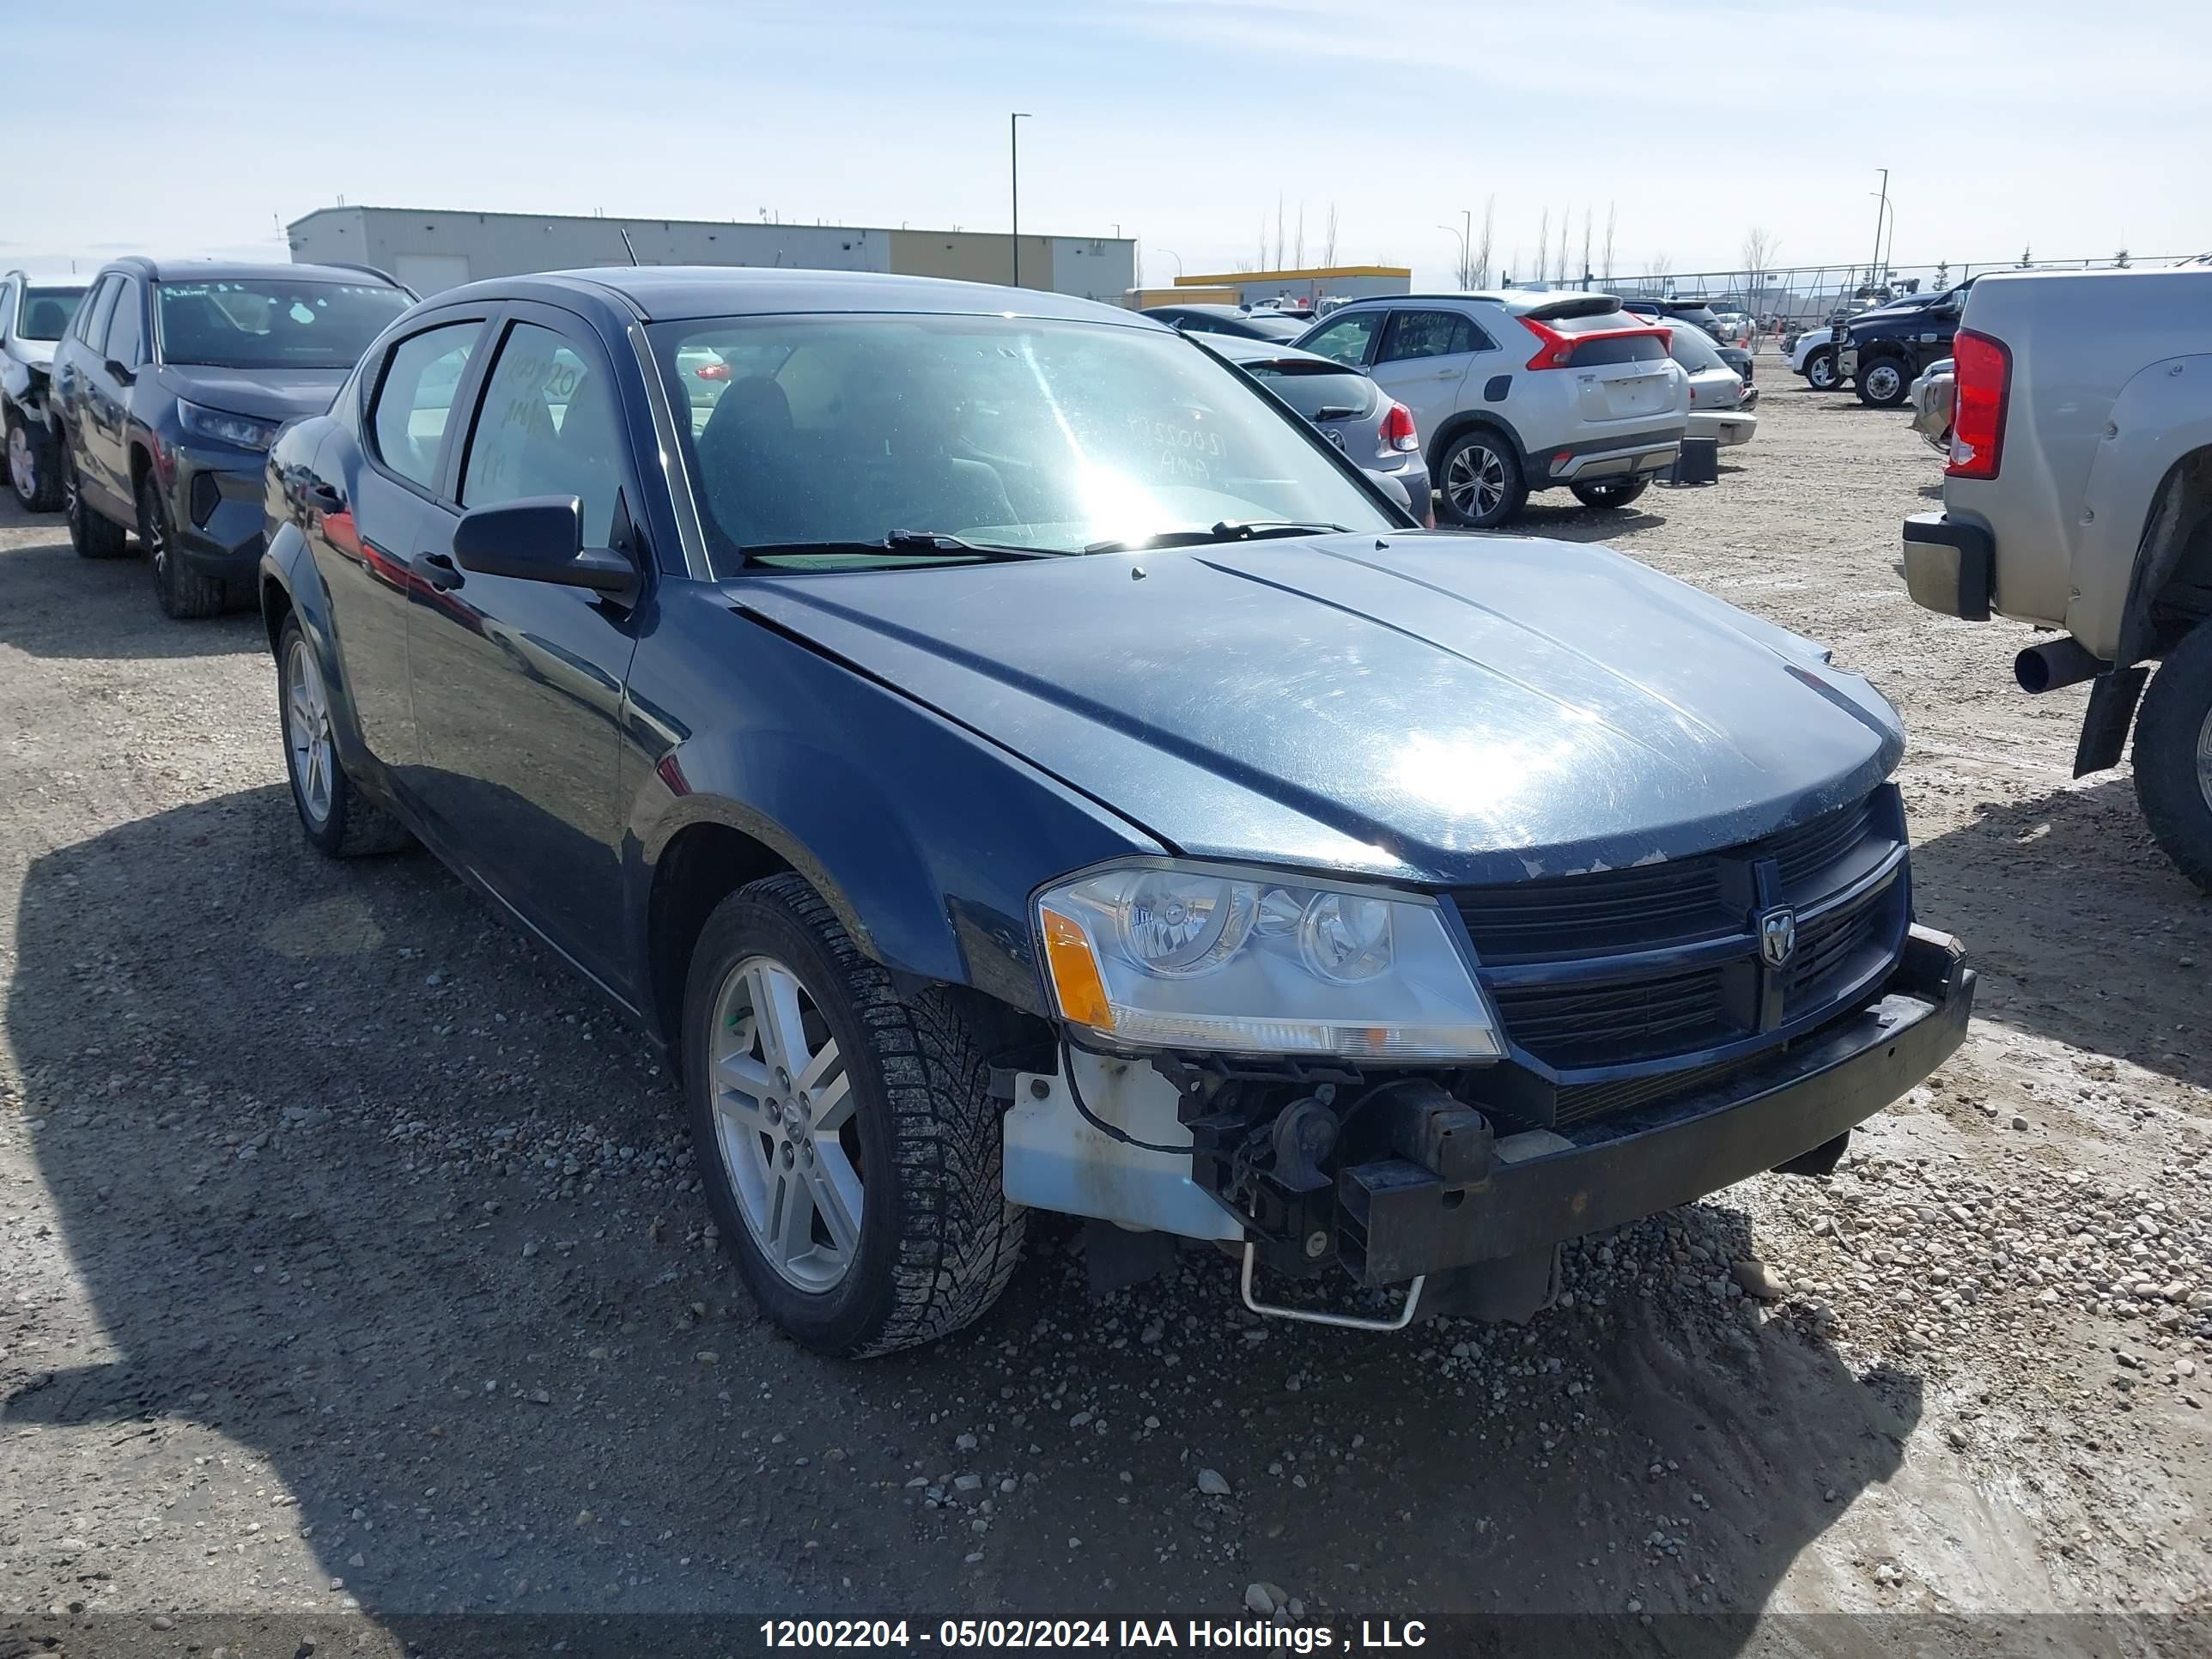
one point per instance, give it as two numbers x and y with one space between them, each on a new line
370 507
517 685
1422 362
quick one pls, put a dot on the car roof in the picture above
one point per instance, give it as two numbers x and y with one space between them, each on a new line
668 293
1516 302
240 270
1239 349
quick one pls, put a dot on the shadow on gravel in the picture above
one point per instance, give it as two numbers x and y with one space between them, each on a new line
418 1229
2083 932
58 606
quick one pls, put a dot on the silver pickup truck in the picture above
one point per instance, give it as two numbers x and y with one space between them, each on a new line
2078 496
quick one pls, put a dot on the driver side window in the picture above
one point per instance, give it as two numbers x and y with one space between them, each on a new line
547 427
1346 339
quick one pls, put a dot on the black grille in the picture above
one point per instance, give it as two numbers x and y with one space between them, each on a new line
1617 1020
1678 902
1545 920
1657 1010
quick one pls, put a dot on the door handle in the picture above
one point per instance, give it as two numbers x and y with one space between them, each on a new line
440 571
1446 374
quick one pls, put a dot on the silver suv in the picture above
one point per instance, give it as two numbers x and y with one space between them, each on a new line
1517 392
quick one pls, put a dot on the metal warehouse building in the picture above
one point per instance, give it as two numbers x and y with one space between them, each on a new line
430 250
1308 285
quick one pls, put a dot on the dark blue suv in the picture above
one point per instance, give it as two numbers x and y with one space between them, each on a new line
1012 763
169 389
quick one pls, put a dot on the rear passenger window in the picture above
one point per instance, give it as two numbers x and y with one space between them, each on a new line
416 402
1426 334
1346 339
547 428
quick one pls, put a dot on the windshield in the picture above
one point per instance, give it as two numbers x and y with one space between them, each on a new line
1693 350
835 431
46 312
270 323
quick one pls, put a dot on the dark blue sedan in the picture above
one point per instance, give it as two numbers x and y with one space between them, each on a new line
1011 761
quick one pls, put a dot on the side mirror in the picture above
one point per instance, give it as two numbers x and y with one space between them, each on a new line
540 538
123 376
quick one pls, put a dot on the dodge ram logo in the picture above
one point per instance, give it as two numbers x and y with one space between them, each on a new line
1778 936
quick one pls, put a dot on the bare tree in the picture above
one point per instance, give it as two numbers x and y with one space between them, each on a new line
1584 279
1559 269
1757 254
1278 263
1259 260
1328 237
1660 264
1612 215
1480 259
1543 243
1299 258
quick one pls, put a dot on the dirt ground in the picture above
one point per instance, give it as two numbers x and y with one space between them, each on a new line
354 1285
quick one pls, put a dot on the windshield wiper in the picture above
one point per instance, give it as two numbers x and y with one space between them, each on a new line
1229 530
906 544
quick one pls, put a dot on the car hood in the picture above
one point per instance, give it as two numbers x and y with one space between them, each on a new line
1432 709
268 394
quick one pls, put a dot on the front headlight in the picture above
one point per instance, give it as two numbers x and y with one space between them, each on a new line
1188 957
240 429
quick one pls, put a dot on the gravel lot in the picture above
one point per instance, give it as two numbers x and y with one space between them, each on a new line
353 1277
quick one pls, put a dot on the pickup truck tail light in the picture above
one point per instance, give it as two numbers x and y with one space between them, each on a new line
1981 384
1558 349
1399 434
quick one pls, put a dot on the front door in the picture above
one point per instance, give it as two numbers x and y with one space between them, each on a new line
102 403
517 685
1422 362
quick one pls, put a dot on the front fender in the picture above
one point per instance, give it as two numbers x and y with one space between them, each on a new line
290 582
2161 415
925 837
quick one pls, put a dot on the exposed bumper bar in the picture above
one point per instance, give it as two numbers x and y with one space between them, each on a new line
1949 565
1398 1222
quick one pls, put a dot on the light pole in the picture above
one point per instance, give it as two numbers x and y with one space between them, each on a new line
1014 180
1177 258
1874 271
1465 275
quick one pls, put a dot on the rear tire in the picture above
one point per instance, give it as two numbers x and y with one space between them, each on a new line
33 465
1610 494
1480 483
2173 756
92 535
900 1127
183 592
1883 383
1820 369
340 822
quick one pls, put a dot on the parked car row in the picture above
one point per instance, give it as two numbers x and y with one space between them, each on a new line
150 396
1882 350
1012 760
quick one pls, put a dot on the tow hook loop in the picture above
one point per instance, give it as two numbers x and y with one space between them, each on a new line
1315 1316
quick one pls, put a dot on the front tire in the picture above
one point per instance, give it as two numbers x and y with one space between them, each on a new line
1821 370
1883 383
847 1141
339 821
2173 756
183 592
1617 494
35 471
1479 482
92 535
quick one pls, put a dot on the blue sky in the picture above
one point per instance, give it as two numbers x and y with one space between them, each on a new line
2072 129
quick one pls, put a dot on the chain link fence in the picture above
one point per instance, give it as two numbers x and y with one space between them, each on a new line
1797 296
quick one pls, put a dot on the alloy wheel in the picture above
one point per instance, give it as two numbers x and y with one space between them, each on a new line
22 462
784 1125
1474 482
308 730
2205 760
1821 372
154 534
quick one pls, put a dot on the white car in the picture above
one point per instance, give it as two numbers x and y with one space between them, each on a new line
1520 391
1717 391
1813 356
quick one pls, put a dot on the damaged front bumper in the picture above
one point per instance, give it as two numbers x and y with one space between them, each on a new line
1400 1220
1436 1189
